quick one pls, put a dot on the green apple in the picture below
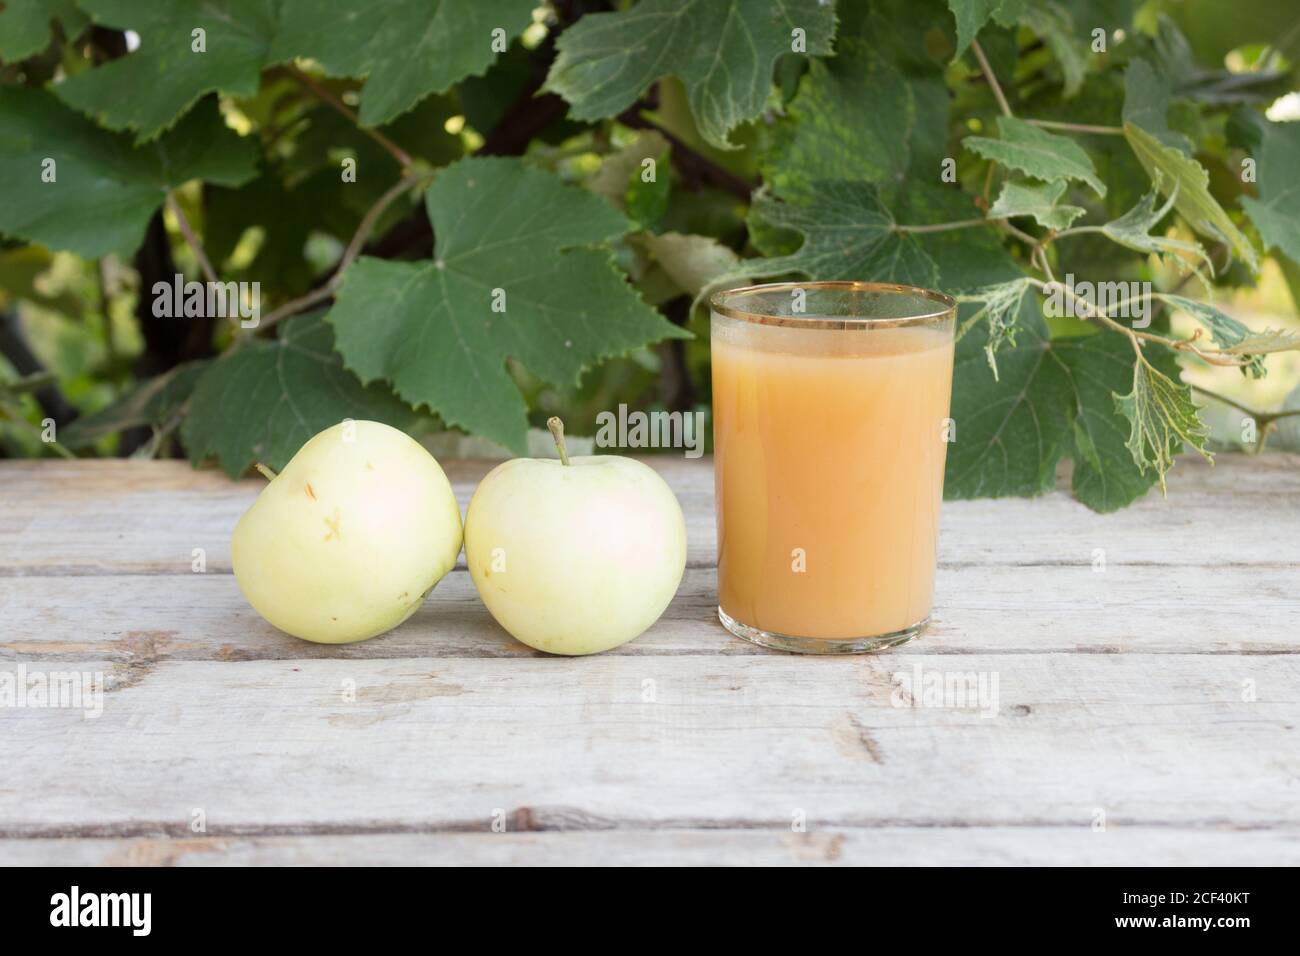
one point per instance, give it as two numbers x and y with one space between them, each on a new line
578 555
347 540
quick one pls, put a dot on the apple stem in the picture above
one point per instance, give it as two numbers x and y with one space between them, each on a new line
557 432
267 473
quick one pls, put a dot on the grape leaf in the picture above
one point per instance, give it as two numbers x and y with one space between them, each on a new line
1276 213
971 15
408 49
1232 335
848 234
105 190
852 119
1162 417
151 403
507 235
1186 180
1133 231
147 90
1053 23
1036 153
965 258
1054 397
1105 476
1038 201
262 401
1146 104
622 178
722 50
25 26
1000 306
692 262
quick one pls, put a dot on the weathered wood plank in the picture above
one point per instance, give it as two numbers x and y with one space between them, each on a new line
268 748
89 517
1160 691
880 846
1030 609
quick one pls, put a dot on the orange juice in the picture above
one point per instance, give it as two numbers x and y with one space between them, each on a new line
829 446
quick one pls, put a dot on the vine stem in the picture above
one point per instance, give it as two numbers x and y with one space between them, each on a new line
364 229
992 80
1078 127
945 226
191 239
1178 345
22 422
324 95
1263 418
1265 421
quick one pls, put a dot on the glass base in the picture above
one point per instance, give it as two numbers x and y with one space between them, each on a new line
820 645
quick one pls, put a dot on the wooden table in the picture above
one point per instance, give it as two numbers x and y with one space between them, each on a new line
1146 664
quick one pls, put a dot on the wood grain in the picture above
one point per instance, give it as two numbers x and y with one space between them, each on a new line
279 747
879 846
1146 666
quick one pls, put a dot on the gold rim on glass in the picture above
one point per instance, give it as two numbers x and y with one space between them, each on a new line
948 303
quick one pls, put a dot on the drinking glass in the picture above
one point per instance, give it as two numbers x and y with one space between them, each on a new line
830 430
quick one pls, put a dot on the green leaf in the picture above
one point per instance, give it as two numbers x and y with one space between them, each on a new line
1000 306
848 233
408 49
622 178
852 119
1146 104
104 190
25 26
1011 430
151 403
1036 153
1053 398
510 235
1234 336
1186 181
262 401
722 50
1163 417
1053 23
966 258
1133 231
694 264
1276 213
971 15
1038 201
147 90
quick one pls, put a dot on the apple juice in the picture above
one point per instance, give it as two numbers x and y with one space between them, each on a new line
830 435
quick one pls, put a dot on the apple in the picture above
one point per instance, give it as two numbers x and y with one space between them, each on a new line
578 555
347 540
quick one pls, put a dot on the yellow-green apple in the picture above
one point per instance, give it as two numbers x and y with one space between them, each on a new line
578 555
347 540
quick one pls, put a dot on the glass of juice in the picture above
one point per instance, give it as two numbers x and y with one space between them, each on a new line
830 430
